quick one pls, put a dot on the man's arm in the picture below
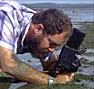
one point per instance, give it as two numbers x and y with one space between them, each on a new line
13 66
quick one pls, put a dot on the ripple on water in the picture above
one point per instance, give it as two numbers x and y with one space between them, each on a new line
86 70
88 84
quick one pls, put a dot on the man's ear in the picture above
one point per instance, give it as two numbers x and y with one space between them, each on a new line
39 29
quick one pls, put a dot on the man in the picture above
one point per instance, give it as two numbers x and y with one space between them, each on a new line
23 30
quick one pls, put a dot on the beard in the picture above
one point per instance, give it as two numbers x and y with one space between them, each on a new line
34 48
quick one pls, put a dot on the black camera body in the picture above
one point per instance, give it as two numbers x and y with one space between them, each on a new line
68 61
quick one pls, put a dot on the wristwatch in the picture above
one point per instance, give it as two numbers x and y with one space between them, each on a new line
51 80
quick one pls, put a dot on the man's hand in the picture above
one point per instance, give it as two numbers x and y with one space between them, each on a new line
61 78
50 64
0 70
64 78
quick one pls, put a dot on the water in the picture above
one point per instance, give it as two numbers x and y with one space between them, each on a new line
90 51
80 15
34 62
16 85
88 83
86 70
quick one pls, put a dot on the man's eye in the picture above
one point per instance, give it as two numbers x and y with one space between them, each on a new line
54 45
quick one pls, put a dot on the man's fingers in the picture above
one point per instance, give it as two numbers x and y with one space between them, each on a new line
64 78
0 70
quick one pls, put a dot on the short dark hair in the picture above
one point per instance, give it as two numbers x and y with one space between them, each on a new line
53 20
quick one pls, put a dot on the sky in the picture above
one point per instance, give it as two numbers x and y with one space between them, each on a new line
59 1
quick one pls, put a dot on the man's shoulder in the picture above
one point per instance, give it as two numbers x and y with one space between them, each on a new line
9 6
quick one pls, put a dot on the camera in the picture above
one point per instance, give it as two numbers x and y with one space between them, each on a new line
68 61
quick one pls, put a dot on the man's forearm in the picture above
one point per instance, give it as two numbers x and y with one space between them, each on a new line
27 73
13 66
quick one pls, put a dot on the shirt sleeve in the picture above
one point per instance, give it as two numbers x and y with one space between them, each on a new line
6 31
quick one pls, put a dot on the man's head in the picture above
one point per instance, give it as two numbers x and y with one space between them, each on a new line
49 29
54 21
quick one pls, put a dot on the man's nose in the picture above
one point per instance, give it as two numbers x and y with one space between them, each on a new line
51 49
